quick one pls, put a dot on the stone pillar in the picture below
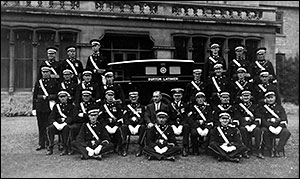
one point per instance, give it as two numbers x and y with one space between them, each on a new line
11 62
34 59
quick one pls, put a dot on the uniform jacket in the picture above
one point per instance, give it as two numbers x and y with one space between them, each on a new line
87 139
217 109
235 90
232 67
85 118
243 117
67 109
93 86
54 64
211 89
178 114
195 118
259 93
265 116
70 87
267 65
101 63
39 103
116 109
209 66
119 93
190 91
231 133
76 63
154 138
128 114
150 113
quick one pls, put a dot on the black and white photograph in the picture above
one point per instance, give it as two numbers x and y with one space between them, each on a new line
149 89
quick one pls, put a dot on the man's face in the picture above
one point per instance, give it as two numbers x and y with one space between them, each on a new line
177 96
156 97
133 98
51 56
218 71
224 121
241 75
200 100
246 97
46 74
261 56
224 99
161 119
110 97
96 47
197 76
215 50
270 99
93 117
87 78
67 77
86 97
239 53
71 53
264 78
109 79
63 98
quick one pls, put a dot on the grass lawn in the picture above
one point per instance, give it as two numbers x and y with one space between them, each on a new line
19 159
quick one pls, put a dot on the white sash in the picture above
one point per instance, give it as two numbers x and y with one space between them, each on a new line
262 87
60 112
63 85
239 85
52 69
93 62
271 111
92 131
134 111
196 86
246 109
72 66
108 112
259 65
216 84
236 62
212 59
222 135
161 132
43 87
82 107
221 107
200 113
83 86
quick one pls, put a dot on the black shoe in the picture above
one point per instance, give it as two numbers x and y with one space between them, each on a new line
49 152
276 154
259 155
40 148
151 158
245 155
97 157
234 160
184 152
139 153
220 159
71 152
60 147
272 154
171 158
64 152
124 153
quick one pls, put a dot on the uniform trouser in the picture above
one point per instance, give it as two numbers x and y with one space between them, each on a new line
215 147
43 122
247 137
172 151
51 131
268 138
117 137
195 138
185 135
74 131
141 133
79 147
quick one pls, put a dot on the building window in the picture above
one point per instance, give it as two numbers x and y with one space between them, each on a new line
181 47
23 59
232 43
279 18
5 58
45 39
199 49
66 39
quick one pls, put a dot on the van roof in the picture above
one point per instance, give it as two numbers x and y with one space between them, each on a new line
151 60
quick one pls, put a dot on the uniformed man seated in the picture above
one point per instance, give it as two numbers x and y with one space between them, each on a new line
93 141
225 141
161 142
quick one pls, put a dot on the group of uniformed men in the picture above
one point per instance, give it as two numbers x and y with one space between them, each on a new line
220 110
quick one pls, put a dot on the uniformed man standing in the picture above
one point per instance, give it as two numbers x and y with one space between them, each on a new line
44 96
161 142
200 123
262 63
212 60
54 65
194 87
73 64
93 141
68 84
112 119
225 141
134 122
61 117
274 124
97 63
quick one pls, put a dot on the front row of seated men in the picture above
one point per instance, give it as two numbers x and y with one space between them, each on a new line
94 129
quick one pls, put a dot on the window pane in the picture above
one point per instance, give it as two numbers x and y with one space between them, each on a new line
66 39
4 58
232 43
251 46
175 70
181 47
151 70
45 39
199 49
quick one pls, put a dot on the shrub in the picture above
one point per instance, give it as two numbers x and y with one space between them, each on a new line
288 79
17 106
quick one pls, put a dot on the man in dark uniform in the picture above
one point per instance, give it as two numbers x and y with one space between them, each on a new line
61 116
239 84
249 123
262 64
212 60
96 62
68 84
225 141
200 123
88 83
93 141
134 123
194 87
51 63
72 63
82 116
263 86
112 119
111 85
178 118
240 61
161 142
216 83
44 96
274 124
